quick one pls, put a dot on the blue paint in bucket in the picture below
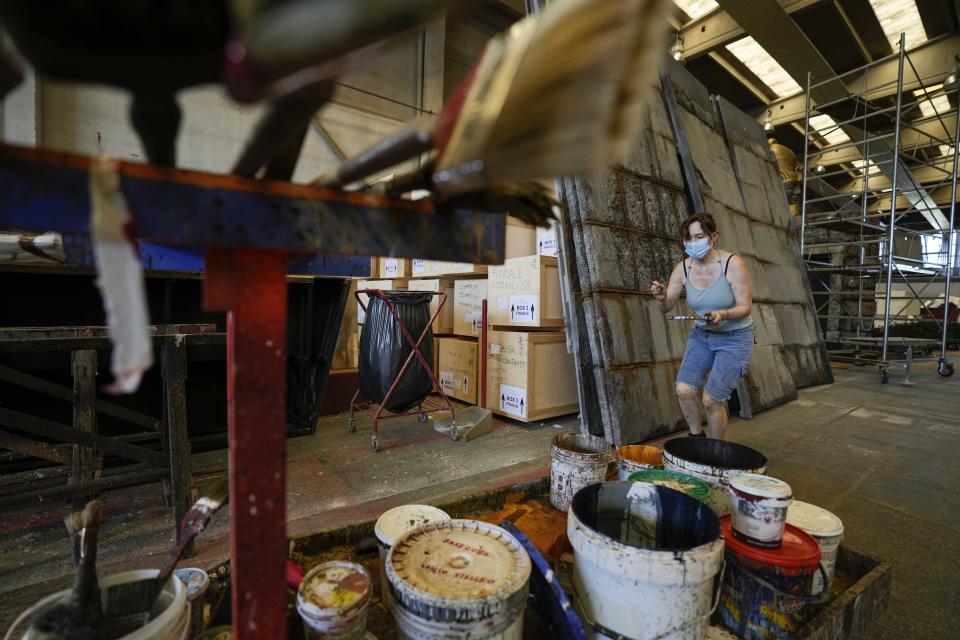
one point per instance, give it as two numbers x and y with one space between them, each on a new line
764 595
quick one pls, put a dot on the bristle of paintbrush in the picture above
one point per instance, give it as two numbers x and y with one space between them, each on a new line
566 96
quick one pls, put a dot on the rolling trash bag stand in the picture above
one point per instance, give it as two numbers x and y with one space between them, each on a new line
394 371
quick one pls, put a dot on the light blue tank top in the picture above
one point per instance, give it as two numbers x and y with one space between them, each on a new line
717 296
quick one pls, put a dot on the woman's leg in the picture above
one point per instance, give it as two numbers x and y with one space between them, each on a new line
716 411
689 407
732 353
697 361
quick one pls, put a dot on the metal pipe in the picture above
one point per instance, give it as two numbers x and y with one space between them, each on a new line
893 200
852 71
806 172
951 238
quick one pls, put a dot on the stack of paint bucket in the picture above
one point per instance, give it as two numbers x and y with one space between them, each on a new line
458 579
826 529
391 526
770 564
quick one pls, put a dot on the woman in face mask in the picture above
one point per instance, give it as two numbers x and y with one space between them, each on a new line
718 287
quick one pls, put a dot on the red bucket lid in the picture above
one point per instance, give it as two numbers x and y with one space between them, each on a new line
799 550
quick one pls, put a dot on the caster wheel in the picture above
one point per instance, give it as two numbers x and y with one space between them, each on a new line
859 362
884 377
352 425
945 369
374 444
422 416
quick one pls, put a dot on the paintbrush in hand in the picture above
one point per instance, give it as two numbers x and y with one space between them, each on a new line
138 597
559 93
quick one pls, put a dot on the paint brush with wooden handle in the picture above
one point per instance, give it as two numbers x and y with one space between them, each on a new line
130 598
559 93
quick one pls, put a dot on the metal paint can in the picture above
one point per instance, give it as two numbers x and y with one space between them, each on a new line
713 461
333 600
636 571
576 461
826 529
638 457
458 579
765 593
760 506
391 526
197 582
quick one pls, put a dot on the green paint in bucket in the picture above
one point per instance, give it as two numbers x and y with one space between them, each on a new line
693 487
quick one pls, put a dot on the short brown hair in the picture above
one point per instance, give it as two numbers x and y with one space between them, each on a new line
706 221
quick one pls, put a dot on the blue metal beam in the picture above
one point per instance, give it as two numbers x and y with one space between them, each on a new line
47 191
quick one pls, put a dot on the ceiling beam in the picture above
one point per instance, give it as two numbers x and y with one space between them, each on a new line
780 36
932 59
717 29
932 173
919 135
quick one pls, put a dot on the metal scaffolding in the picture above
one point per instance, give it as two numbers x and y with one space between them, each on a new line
862 237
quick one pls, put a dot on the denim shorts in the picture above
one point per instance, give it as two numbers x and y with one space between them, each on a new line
724 354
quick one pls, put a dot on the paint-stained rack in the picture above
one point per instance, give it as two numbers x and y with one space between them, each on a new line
249 228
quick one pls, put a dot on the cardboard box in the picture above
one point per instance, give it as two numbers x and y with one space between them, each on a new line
547 240
468 296
458 367
435 268
530 375
399 284
444 322
525 292
348 340
520 239
393 268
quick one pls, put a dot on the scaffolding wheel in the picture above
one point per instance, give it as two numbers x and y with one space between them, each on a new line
422 416
884 376
374 444
352 425
945 369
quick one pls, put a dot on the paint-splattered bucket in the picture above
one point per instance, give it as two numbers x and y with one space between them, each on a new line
395 522
711 460
197 582
765 593
826 529
644 560
693 487
638 457
458 579
332 601
760 506
576 461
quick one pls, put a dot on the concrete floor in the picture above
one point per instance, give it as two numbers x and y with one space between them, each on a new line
882 457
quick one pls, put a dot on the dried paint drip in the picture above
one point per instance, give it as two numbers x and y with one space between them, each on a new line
576 461
711 460
333 599
458 579
645 559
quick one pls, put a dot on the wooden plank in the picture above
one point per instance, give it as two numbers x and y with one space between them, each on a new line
84 369
35 448
60 392
142 475
174 371
56 431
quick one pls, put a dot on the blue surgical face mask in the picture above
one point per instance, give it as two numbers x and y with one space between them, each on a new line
698 249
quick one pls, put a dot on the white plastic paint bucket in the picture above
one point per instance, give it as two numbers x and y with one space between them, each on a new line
638 457
640 574
826 529
760 506
576 461
170 619
393 523
458 579
332 601
713 461
197 582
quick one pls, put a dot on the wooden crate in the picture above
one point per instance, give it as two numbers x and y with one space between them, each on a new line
468 297
520 239
399 284
530 375
525 292
436 268
458 368
547 240
390 268
445 321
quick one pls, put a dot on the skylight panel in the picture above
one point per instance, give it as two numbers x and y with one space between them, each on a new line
762 64
937 104
828 129
696 8
898 16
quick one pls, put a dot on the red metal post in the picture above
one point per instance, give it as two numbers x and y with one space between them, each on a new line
251 287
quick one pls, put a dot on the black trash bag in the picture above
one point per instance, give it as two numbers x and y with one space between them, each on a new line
384 349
